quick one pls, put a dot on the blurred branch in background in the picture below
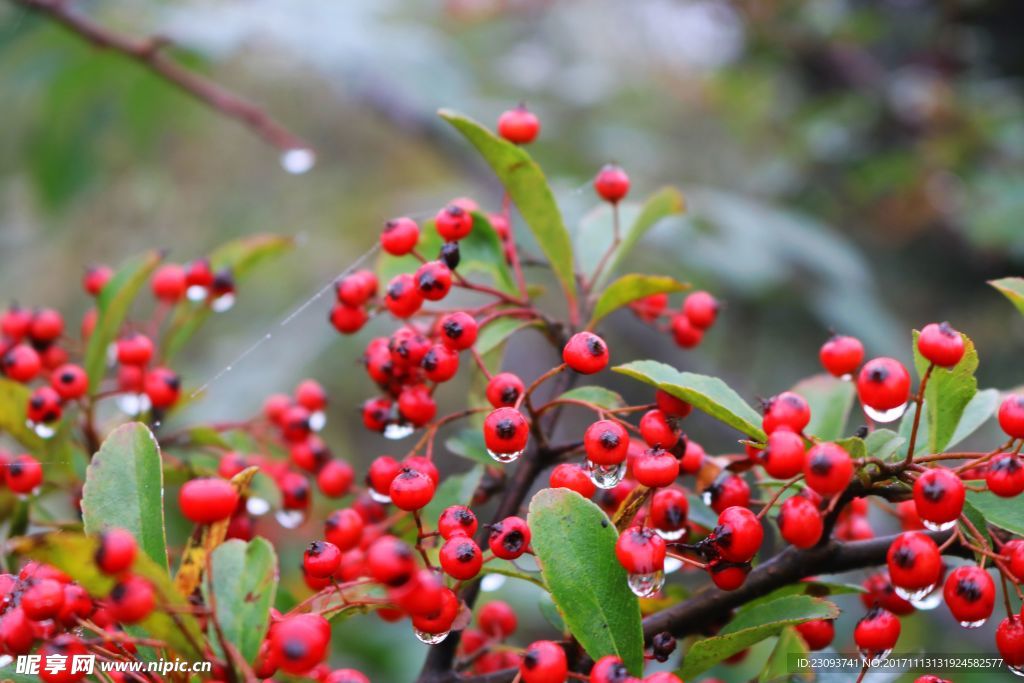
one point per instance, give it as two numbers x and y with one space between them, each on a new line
297 154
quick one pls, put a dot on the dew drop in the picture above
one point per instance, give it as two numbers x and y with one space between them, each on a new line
973 624
298 160
398 430
196 293
317 420
915 594
5 660
847 377
673 564
869 656
671 535
505 458
646 585
290 519
156 424
707 498
42 430
491 582
222 303
430 638
257 507
929 601
884 416
1016 670
380 497
944 526
606 476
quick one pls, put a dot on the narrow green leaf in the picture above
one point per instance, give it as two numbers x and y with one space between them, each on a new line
667 201
977 519
469 444
884 443
815 589
1012 288
629 288
777 669
978 411
526 185
599 396
124 488
1005 513
499 331
112 306
456 489
549 610
830 400
243 586
575 545
708 394
751 626
947 394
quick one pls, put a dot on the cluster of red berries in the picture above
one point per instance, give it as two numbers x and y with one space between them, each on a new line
688 324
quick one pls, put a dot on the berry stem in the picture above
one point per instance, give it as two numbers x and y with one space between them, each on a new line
918 401
775 498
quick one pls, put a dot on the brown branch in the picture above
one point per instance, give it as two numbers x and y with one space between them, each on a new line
149 52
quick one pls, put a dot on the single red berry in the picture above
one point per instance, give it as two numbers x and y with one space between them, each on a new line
940 344
650 308
571 476
416 405
701 309
21 363
504 389
817 633
53 356
207 500
606 443
456 520
841 355
348 319
728 576
509 538
423 465
390 561
43 599
376 414
344 528
658 429
883 384
434 280
939 496
411 489
458 331
47 326
970 595
519 125
78 604
58 656
311 395
1011 415
586 353
15 322
611 183
321 559
440 363
163 387
497 619
131 600
640 550
399 236
787 410
295 424
664 677
169 283
738 535
828 469
134 349
44 406
693 457
914 561
16 631
800 522
403 297
784 454
198 278
684 333
96 278
877 632
70 381
382 472
544 662
407 347
299 642
453 223
506 431
671 405
728 490
116 551
346 676
1010 641
356 288
441 620
335 478
655 467
609 669
879 592
669 509
1005 475
461 558
421 594
24 474
311 454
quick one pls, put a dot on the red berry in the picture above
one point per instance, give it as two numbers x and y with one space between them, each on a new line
506 431
657 429
883 384
877 632
456 520
609 669
586 353
828 469
299 642
1005 475
96 278
382 472
348 319
131 600
461 558
1010 641
43 599
509 538
693 457
423 465
440 363
939 496
914 561
458 331
62 651
310 454
335 478
416 405
434 280
670 405
879 592
77 605
940 344
453 223
817 633
544 662
519 125
376 414
701 309
800 522
497 619
783 456
403 297
204 501
504 389
684 333
788 410
970 594
162 386
294 424
411 489
198 278
16 633
24 474
344 528
311 395
346 676
728 576
357 288
606 443
21 363
168 283
70 381
47 325
421 594
571 476
640 550
1011 415
841 355
611 183
400 236
15 323
321 559
738 535
441 620
135 349
669 508
650 308
390 561
728 490
116 551
655 467
44 406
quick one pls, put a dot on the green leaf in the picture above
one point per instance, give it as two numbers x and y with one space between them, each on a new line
854 445
708 394
751 625
700 513
243 586
526 185
456 489
13 403
499 331
482 251
1013 289
240 256
124 487
599 396
815 589
72 553
830 400
975 516
789 646
112 306
948 392
575 546
884 443
629 288
469 444
1005 513
978 411
549 610
665 202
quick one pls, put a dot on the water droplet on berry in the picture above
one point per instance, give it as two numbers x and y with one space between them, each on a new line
430 638
156 424
298 160
398 430
1016 670
42 430
869 656
222 303
646 585
505 458
317 420
606 476
935 526
913 594
883 416
973 624
707 498
257 507
673 564
381 498
133 404
491 582
929 601
671 535
290 519
5 660
847 377
196 293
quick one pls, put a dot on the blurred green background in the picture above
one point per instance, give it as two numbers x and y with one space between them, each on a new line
855 165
